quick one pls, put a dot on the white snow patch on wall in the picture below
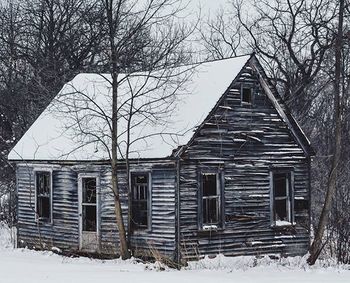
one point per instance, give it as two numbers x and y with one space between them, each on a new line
281 223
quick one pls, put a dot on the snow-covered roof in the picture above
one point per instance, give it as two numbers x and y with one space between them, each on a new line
167 106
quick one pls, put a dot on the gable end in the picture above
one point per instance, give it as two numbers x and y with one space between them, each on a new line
253 66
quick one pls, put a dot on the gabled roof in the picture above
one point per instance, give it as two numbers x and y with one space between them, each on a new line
68 128
55 135
277 102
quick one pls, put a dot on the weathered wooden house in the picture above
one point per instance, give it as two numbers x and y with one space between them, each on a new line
238 184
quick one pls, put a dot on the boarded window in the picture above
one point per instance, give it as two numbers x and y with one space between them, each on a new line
210 199
246 95
43 196
282 197
140 201
89 205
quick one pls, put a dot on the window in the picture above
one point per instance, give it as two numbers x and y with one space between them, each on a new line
140 201
246 95
210 199
43 196
89 204
282 198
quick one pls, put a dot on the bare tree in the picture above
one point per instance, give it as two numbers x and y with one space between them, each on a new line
332 179
63 37
221 37
141 91
12 100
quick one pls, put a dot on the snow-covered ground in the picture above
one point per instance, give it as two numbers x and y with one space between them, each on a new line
22 265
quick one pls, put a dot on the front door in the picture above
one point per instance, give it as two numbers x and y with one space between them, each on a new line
88 213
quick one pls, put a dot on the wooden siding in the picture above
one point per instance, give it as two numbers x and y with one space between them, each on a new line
243 141
63 232
161 235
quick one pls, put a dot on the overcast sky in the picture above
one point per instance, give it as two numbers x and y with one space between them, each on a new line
208 6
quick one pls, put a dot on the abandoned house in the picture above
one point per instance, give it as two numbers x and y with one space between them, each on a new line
236 182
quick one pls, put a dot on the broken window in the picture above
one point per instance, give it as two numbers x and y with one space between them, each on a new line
140 200
246 95
210 199
89 204
43 195
282 202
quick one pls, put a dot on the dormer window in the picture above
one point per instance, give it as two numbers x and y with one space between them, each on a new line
246 95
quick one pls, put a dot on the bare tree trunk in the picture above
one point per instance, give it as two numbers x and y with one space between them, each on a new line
127 165
317 246
124 251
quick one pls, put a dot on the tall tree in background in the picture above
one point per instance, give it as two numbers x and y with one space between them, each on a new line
64 37
43 44
221 37
316 246
13 100
292 38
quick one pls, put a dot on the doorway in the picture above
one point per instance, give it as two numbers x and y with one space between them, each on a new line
88 213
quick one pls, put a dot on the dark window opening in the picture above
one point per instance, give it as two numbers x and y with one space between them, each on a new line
43 196
89 205
247 95
281 197
89 219
210 199
139 204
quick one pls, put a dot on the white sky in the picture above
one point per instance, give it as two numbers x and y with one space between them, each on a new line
210 5
207 6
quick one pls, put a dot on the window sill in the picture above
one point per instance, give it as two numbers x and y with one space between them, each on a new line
283 225
207 229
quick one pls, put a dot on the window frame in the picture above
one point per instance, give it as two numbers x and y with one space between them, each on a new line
37 218
132 174
82 203
220 194
247 86
290 197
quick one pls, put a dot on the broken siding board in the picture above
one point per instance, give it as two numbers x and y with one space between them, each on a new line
223 142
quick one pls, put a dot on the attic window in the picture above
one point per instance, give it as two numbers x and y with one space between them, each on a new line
246 95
